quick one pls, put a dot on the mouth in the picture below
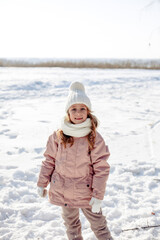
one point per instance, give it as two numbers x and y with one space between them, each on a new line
78 119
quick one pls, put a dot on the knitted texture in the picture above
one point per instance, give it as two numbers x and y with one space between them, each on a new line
77 95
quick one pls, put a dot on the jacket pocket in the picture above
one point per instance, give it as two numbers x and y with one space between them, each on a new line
86 185
56 183
82 183
83 189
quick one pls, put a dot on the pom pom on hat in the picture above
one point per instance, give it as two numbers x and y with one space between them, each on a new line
77 86
77 95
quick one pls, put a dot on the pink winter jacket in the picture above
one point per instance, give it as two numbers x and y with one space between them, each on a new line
74 174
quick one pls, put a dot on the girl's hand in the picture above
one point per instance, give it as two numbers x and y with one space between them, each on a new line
42 192
96 205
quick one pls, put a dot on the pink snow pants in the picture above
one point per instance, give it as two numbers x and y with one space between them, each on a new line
73 225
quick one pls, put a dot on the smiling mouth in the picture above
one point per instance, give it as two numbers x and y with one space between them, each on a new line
78 118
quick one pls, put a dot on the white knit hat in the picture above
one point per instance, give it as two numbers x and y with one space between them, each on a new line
77 95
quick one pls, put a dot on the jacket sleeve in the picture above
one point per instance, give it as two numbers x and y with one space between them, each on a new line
99 157
48 165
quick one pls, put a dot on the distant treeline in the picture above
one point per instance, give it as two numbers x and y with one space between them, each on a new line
82 63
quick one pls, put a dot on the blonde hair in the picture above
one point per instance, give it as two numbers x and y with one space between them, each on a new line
65 139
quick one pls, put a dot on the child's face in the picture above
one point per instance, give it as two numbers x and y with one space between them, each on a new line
78 113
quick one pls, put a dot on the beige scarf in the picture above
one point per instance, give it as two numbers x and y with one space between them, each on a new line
76 130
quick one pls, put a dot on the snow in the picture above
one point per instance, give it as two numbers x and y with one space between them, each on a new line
127 104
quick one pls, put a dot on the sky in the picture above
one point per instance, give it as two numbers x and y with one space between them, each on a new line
79 28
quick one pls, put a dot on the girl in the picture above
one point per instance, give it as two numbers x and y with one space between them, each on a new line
76 168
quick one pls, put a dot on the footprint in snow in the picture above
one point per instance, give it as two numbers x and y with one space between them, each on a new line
12 135
22 150
10 153
7 133
38 150
4 131
24 175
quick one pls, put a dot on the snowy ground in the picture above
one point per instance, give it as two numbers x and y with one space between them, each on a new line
127 103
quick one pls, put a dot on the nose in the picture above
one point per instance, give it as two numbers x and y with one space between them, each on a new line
78 111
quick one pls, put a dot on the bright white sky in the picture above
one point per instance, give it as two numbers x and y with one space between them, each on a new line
80 28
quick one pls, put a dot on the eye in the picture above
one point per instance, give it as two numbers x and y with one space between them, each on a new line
73 109
83 109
